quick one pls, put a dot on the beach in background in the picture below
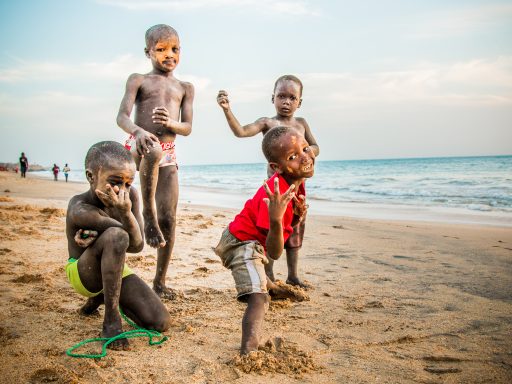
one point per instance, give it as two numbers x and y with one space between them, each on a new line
467 190
393 300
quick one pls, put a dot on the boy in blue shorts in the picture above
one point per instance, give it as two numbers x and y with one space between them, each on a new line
258 233
102 225
287 98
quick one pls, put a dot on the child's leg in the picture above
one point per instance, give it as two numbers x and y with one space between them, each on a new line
148 171
167 193
141 304
252 322
101 266
292 246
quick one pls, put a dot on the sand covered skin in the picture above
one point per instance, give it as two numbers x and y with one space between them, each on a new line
393 302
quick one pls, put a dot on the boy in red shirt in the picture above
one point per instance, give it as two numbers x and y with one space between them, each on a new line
265 223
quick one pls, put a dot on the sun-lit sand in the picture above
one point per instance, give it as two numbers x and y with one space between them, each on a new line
394 302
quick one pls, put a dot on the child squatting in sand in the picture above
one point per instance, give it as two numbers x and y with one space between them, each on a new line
260 230
287 97
102 225
163 109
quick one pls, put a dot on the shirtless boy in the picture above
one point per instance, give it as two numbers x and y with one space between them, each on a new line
163 109
287 97
102 225
259 231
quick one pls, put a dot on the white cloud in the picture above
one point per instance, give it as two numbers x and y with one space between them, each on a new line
297 8
462 21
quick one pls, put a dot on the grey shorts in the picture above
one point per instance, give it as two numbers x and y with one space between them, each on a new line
246 260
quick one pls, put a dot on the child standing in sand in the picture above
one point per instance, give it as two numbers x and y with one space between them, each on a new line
287 97
258 233
163 109
103 224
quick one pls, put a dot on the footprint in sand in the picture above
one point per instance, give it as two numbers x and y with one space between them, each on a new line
26 279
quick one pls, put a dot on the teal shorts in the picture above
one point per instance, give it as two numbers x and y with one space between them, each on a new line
76 283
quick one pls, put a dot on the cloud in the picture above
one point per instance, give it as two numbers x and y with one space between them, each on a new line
474 82
462 21
296 8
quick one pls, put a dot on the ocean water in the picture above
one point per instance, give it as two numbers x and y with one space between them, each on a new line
469 183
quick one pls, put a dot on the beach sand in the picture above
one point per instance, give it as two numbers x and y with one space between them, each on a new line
393 302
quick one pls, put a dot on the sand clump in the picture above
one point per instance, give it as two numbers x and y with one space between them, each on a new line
277 356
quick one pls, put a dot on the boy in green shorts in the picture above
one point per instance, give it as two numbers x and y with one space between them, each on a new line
102 225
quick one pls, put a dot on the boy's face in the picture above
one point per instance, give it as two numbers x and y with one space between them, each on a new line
116 174
294 157
287 97
165 53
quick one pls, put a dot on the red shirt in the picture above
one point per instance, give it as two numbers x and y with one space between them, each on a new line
253 222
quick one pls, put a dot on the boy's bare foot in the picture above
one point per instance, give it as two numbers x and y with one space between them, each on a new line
279 290
298 283
154 237
117 345
167 293
91 306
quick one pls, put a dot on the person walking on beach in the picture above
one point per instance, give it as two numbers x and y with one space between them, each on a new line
258 233
287 98
163 109
55 170
23 165
66 171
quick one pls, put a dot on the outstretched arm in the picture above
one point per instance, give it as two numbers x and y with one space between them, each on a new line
143 138
310 138
277 205
239 130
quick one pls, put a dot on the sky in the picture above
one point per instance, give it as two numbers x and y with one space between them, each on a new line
382 79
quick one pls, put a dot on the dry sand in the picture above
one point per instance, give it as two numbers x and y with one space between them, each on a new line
394 302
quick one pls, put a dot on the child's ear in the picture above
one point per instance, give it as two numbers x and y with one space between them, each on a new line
89 176
146 52
272 98
300 103
275 167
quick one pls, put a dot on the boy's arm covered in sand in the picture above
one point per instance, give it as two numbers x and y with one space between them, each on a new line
184 128
239 130
277 205
143 138
309 137
87 216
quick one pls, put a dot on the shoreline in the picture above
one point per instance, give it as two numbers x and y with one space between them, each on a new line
221 198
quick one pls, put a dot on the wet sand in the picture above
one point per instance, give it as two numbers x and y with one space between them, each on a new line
394 301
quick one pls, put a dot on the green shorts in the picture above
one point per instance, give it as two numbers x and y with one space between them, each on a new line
246 260
76 283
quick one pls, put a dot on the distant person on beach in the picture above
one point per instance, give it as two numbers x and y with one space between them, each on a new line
258 233
287 97
66 171
55 171
102 225
23 165
163 109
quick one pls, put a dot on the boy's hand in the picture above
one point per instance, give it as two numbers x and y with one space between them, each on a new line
300 207
144 140
85 237
161 116
117 198
222 99
276 202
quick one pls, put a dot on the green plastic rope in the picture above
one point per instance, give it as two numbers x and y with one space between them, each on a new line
138 332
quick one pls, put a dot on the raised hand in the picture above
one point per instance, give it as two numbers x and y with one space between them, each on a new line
276 202
117 198
223 100
85 237
300 207
161 116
